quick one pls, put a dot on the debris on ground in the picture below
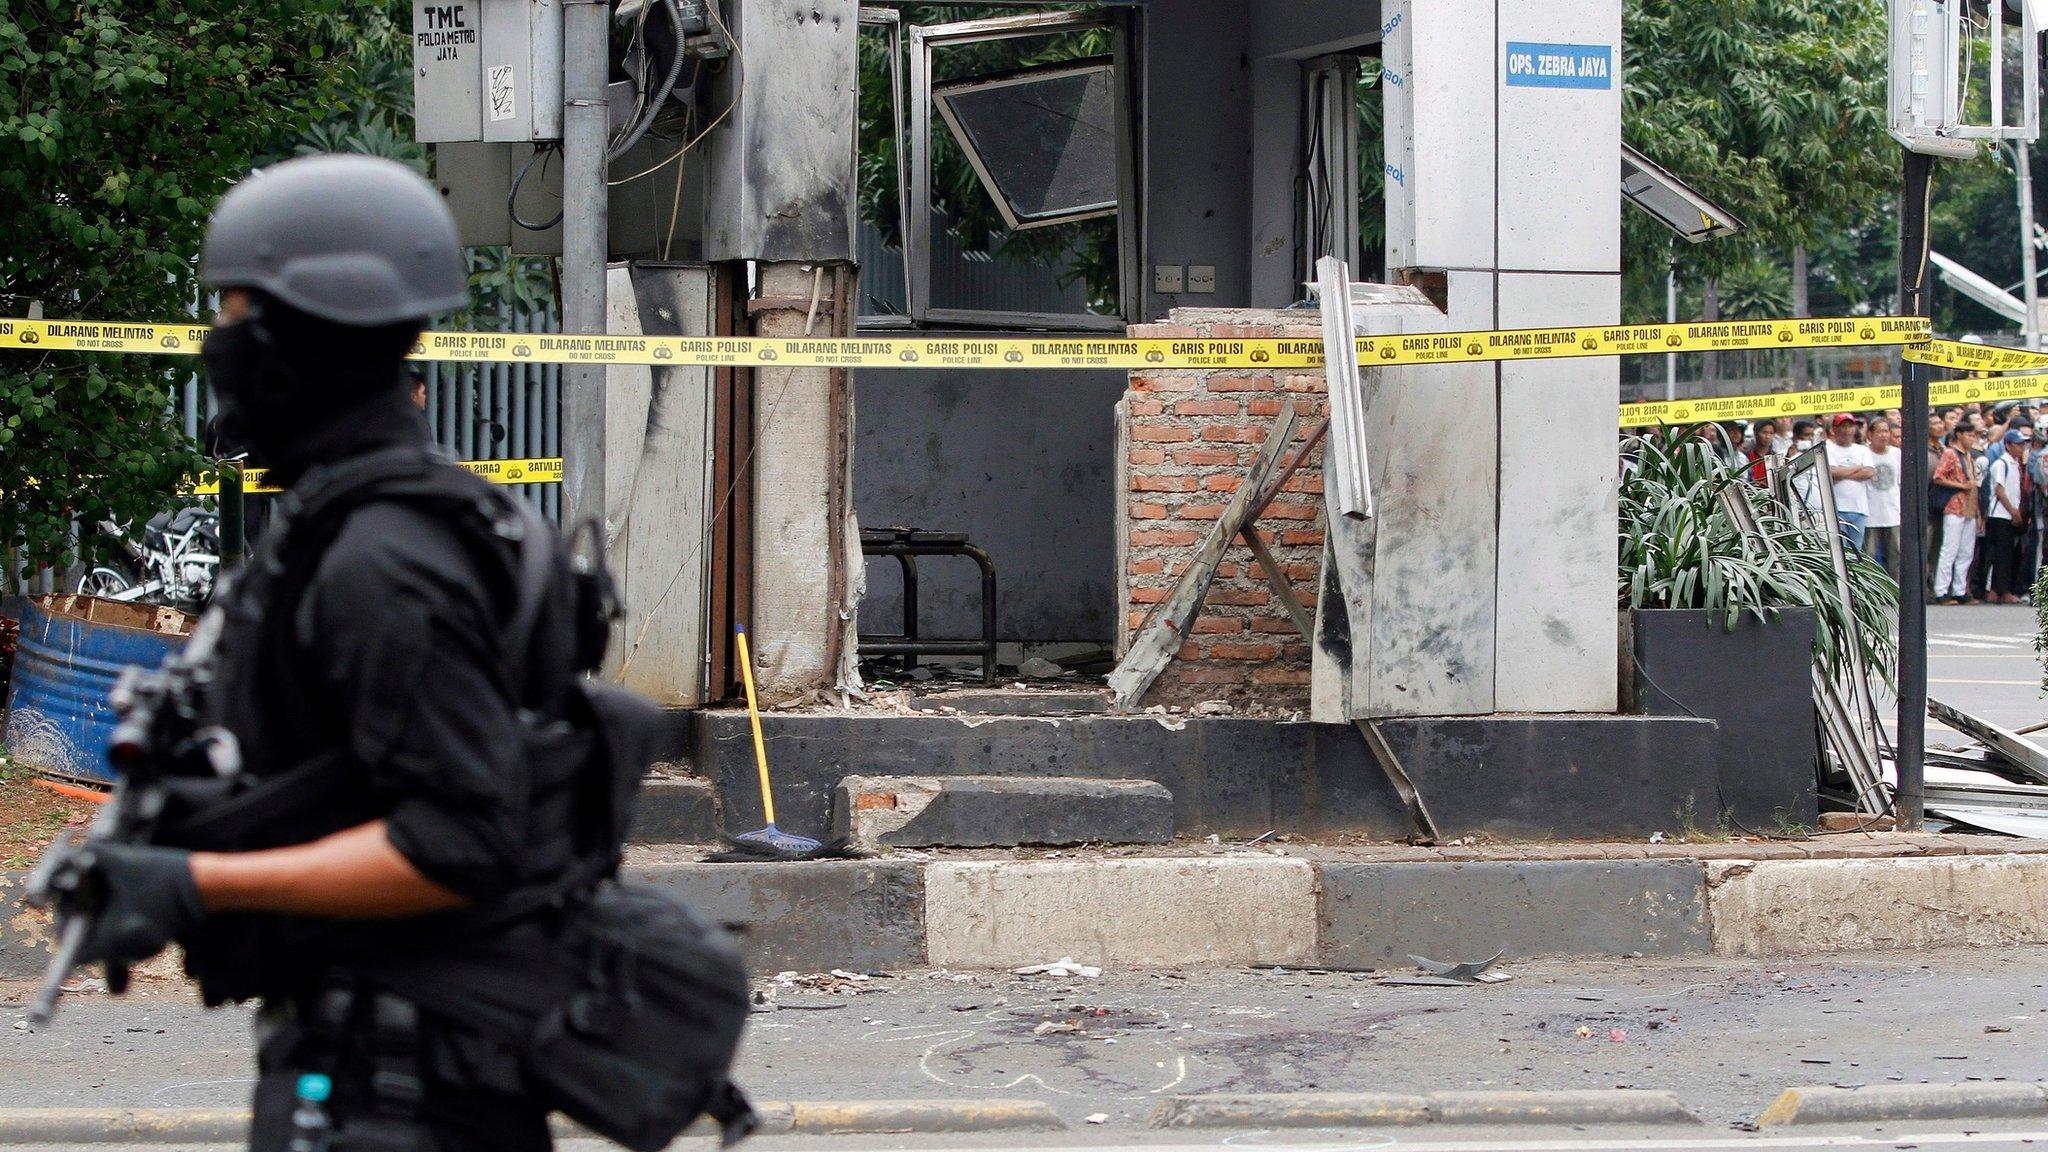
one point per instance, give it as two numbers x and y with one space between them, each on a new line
1464 970
837 982
1856 822
32 814
1064 966
1098 1118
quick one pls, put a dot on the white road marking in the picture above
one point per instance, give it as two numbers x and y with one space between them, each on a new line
1267 1140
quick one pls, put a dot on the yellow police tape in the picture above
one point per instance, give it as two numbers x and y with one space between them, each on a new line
1874 398
1911 333
537 470
1035 351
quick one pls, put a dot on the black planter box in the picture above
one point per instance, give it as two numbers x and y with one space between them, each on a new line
1756 683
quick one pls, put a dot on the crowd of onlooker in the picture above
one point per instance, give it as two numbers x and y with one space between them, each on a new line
1986 498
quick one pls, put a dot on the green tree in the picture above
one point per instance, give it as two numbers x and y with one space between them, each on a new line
121 122
1975 220
1774 109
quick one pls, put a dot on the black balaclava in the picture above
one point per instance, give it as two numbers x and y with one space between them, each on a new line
296 391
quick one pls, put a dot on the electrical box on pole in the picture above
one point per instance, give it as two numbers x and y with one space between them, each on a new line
1953 75
487 70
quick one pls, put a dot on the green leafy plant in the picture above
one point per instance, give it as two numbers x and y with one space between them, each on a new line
1682 548
121 122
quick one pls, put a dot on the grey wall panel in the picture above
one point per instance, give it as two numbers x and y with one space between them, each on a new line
1558 521
1559 210
1197 148
782 171
1282 35
1021 461
1440 130
1303 28
1431 432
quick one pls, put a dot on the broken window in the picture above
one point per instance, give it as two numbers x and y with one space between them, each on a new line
879 161
1020 211
1330 169
1043 140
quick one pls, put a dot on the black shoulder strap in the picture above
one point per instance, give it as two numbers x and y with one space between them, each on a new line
537 558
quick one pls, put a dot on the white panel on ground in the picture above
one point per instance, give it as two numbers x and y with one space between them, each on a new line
1439 116
657 445
1559 70
1556 637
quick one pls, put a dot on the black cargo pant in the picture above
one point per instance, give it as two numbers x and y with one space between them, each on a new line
2003 548
432 1097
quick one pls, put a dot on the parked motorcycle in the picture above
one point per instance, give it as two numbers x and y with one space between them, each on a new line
175 563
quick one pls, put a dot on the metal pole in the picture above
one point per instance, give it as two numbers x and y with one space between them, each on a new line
1912 720
2030 328
1670 317
586 129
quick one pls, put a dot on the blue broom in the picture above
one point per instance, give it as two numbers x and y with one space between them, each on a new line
768 841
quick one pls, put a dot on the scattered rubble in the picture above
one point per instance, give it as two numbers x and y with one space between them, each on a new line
1064 966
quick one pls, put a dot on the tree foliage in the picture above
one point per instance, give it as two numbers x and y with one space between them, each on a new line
121 122
1774 109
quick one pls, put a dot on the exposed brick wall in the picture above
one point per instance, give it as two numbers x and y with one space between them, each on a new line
1188 439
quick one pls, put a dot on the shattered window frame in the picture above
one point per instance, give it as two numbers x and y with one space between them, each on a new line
942 99
925 40
892 20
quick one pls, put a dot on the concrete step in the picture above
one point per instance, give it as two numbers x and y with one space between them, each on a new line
880 812
676 810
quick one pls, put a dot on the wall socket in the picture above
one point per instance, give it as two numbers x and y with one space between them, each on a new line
1201 278
1170 278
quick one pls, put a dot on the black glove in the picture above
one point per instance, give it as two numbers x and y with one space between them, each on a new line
141 899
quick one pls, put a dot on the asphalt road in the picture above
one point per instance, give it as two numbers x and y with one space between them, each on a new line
1933 1137
1981 659
1725 1036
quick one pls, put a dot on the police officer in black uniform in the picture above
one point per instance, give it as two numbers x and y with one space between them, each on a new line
385 654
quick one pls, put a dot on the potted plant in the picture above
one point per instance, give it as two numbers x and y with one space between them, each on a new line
1729 625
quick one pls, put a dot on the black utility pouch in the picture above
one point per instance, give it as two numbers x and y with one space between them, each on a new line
644 1044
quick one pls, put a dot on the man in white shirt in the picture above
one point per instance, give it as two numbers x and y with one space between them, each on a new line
2004 519
1850 466
1881 524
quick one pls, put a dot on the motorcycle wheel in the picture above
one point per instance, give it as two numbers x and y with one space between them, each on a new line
104 582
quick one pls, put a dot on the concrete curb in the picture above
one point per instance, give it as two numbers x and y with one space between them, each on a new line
881 1117
44 1126
1372 1110
1825 1105
1183 911
1295 1110
34 1126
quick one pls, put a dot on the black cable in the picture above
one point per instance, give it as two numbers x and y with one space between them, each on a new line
668 85
512 197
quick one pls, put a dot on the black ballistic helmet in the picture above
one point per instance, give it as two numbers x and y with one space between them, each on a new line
353 240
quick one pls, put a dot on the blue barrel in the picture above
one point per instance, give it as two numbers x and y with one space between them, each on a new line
69 652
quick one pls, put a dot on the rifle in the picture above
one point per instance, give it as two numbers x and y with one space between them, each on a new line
158 741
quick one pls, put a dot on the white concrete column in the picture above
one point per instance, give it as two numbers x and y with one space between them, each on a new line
1558 87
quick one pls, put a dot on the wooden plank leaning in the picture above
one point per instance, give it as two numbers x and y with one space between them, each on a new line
1166 627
